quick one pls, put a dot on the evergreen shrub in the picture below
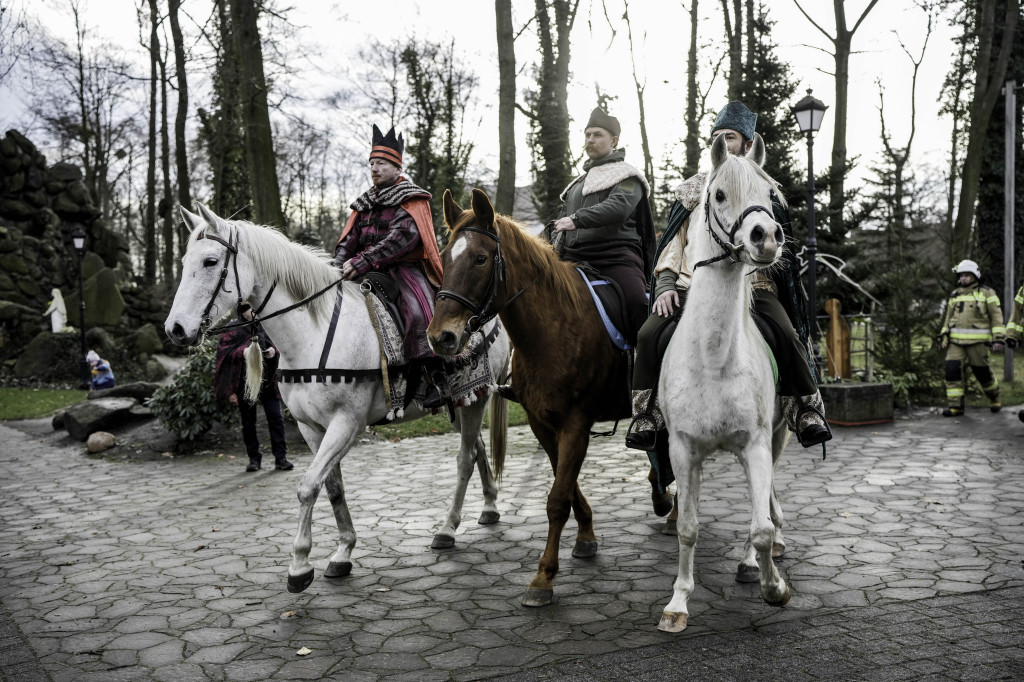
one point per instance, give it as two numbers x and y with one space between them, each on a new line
187 407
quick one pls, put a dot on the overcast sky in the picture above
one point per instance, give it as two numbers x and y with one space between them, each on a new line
661 35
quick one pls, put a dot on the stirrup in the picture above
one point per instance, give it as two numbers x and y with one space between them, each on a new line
506 392
644 439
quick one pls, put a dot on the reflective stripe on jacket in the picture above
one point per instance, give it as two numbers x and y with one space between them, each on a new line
973 315
1015 327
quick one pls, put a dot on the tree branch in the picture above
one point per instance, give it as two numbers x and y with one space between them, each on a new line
814 23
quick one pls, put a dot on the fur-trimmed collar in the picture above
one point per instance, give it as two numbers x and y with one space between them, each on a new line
606 175
689 191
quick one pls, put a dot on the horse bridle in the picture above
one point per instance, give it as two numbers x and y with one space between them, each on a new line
729 249
483 313
232 251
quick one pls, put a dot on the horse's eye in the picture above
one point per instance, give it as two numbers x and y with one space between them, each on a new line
719 195
209 262
480 260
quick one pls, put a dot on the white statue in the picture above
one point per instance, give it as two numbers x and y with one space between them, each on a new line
57 312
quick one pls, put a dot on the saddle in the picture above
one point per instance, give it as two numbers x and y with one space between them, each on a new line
610 303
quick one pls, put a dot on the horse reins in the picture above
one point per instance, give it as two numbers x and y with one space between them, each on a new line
482 314
729 249
232 250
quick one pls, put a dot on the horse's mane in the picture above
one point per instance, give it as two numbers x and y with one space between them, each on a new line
518 245
301 270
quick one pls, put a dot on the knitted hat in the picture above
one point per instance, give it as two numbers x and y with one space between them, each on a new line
387 147
599 119
736 116
92 356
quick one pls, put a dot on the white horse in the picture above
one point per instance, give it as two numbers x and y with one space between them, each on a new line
228 261
716 382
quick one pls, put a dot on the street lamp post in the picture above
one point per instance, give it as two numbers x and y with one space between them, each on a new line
808 113
84 373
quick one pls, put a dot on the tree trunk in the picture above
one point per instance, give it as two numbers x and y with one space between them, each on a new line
988 81
734 33
640 87
505 196
165 208
552 109
180 119
692 125
149 226
259 144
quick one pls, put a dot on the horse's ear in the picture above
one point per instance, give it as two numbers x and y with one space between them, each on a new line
191 219
757 153
482 208
209 217
452 210
719 151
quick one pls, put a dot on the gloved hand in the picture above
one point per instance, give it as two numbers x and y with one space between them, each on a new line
943 340
1012 343
997 347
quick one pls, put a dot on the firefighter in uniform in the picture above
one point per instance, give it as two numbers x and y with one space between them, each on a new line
973 324
1015 328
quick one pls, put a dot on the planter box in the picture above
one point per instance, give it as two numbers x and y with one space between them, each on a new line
857 404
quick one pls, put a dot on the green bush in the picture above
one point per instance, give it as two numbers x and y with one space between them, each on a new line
187 407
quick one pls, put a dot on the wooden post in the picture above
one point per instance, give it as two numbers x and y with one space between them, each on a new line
837 341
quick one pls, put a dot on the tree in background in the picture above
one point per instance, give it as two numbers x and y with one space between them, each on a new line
251 91
548 106
842 43
180 117
990 212
992 58
220 132
505 194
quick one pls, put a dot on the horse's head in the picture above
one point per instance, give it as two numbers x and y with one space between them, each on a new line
212 280
473 269
738 206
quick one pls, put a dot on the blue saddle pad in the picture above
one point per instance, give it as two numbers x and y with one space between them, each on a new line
610 306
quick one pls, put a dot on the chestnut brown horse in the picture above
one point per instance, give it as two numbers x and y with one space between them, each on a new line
565 370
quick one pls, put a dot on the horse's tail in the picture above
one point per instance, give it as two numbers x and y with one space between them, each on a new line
498 417
253 371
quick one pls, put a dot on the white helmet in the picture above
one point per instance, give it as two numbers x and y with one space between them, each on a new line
968 266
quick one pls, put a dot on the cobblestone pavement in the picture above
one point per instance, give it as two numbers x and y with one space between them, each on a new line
904 556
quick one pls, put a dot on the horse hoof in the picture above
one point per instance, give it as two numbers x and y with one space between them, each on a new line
443 541
672 621
537 597
298 583
338 569
670 527
489 517
747 574
662 504
778 550
783 598
584 549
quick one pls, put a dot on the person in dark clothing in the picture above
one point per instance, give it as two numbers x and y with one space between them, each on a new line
229 385
778 303
606 219
391 231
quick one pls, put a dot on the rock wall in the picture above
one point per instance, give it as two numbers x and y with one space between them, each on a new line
40 207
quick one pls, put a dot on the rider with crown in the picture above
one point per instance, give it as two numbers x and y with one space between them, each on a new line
778 304
391 231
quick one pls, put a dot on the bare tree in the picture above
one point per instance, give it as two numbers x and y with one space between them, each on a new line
14 39
252 90
549 113
692 126
149 221
640 86
181 116
734 34
505 195
841 42
990 71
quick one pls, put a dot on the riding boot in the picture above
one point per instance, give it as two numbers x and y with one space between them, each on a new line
805 416
647 421
506 392
439 392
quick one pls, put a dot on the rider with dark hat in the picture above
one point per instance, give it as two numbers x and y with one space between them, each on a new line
778 304
391 231
606 219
